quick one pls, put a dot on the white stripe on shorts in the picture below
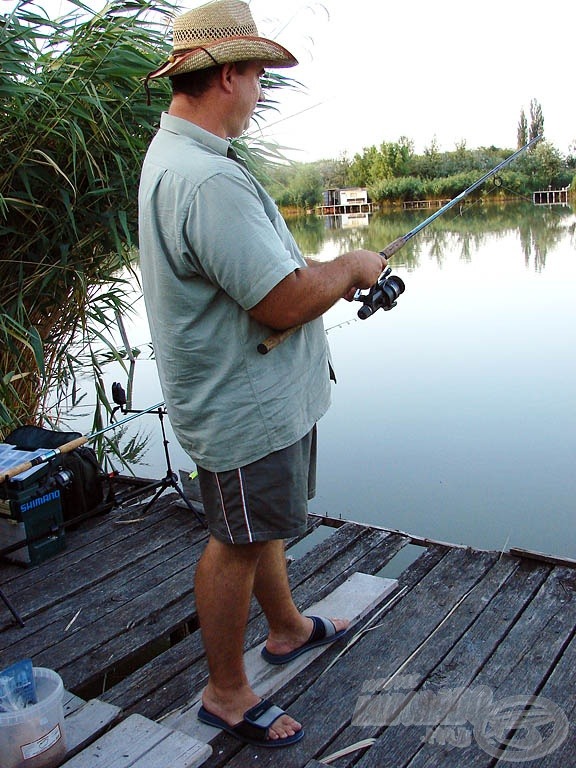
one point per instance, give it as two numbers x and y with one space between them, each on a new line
223 507
244 506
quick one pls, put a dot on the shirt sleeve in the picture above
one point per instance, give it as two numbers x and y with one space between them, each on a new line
230 239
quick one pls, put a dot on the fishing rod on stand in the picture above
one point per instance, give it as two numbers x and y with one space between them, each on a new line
386 290
170 480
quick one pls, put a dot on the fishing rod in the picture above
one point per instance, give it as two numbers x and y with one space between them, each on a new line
386 290
72 445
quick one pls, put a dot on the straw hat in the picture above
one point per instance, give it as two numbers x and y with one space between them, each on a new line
219 32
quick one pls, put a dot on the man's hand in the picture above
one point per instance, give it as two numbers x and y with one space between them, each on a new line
349 295
305 294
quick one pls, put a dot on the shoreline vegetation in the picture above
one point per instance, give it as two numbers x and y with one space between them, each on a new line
395 206
432 176
75 126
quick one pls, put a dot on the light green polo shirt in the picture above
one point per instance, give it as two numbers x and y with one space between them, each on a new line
212 245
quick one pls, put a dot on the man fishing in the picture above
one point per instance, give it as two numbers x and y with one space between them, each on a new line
220 272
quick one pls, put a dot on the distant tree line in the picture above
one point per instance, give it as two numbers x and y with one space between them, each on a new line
393 172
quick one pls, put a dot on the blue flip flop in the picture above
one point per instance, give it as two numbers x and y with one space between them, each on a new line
253 729
323 632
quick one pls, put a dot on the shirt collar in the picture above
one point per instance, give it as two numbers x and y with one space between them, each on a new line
184 127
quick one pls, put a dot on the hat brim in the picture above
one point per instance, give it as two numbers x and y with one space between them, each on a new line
226 51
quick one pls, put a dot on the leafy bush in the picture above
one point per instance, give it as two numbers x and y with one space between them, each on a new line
402 188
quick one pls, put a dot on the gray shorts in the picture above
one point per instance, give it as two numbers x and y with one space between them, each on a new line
265 500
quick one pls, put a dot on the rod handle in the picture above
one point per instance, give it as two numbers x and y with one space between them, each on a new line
394 246
275 339
26 465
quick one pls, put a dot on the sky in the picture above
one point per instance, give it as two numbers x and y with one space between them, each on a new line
448 72
451 72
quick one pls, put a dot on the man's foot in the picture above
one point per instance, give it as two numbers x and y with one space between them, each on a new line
314 631
247 711
257 727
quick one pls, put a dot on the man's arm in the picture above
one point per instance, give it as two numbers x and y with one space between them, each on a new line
305 294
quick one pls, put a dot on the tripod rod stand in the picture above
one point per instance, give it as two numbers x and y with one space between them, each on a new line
170 479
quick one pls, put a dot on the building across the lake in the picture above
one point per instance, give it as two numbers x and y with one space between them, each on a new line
348 200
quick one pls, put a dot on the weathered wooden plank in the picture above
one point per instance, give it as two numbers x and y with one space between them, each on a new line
529 600
141 743
71 702
131 629
419 568
97 602
542 557
421 541
137 635
353 599
414 702
87 722
59 578
92 536
524 660
94 647
340 540
557 700
412 576
521 660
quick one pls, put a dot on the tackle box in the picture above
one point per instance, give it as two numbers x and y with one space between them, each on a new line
30 509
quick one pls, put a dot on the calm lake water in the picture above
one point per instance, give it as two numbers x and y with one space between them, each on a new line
454 415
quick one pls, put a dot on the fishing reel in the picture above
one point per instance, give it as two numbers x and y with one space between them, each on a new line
382 295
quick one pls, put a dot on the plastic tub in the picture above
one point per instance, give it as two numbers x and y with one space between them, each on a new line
34 736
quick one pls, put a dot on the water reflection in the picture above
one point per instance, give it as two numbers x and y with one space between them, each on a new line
454 414
540 228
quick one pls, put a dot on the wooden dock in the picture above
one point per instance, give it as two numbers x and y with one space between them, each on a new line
340 210
410 205
469 661
551 196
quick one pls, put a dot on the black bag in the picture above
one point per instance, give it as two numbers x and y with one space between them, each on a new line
83 491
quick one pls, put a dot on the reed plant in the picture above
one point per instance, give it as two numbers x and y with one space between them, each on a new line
74 128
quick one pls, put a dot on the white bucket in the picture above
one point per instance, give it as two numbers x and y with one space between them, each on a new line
34 736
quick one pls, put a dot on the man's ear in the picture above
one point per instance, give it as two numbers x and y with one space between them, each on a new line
227 73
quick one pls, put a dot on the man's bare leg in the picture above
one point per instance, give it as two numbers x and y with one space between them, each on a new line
223 586
288 628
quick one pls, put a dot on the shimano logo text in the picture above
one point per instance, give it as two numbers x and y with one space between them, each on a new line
33 503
